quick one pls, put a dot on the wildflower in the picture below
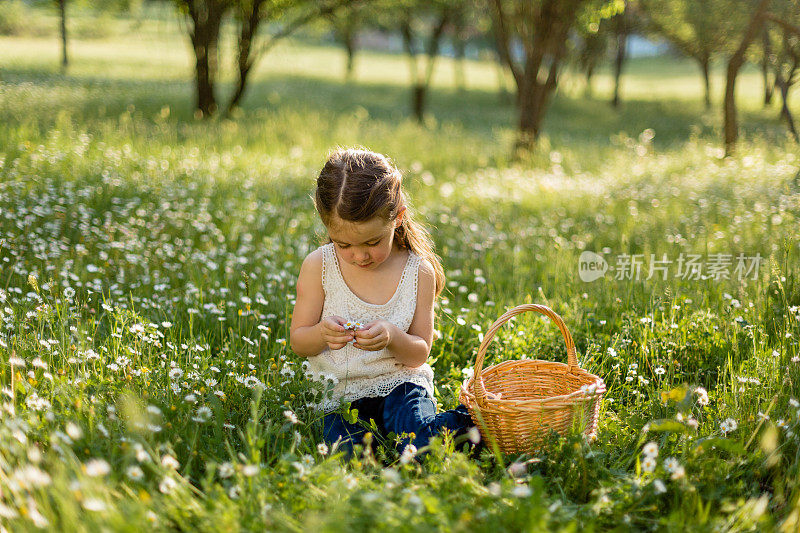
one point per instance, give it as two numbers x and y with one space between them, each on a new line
167 485
322 448
517 469
226 470
659 487
141 454
93 504
167 461
660 371
648 464
97 468
474 435
36 517
650 449
408 453
612 352
74 431
203 415
468 372
307 461
521 491
702 395
290 416
7 512
670 464
728 425
134 473
30 476
678 473
250 470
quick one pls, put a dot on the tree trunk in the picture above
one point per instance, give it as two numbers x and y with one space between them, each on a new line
784 84
589 73
734 64
62 8
350 48
206 17
622 41
250 22
503 94
459 48
420 84
418 102
549 25
705 67
769 88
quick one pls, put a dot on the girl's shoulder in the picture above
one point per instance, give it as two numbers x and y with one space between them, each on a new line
425 267
312 265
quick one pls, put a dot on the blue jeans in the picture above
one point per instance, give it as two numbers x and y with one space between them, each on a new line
408 408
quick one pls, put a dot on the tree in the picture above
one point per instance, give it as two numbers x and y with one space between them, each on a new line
621 26
62 10
541 28
251 14
429 18
592 49
205 20
734 64
345 24
787 60
700 29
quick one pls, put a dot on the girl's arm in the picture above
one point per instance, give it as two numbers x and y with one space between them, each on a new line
308 335
413 347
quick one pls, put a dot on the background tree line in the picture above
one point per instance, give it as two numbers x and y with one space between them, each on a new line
532 41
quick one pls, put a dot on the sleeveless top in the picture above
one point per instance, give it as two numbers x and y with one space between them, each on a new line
358 373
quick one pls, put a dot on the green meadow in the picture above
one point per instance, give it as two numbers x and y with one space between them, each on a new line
147 276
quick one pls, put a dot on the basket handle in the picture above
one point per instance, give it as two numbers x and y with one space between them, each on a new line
572 361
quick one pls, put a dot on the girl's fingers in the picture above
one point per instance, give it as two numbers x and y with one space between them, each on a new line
370 342
368 333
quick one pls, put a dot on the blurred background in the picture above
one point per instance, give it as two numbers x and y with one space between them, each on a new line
484 64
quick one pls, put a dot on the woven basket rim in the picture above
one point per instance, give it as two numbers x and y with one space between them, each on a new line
468 387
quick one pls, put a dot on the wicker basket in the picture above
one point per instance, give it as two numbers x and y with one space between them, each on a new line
518 403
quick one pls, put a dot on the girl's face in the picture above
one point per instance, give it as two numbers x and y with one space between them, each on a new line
366 245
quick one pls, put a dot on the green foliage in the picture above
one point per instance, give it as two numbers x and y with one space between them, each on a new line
12 17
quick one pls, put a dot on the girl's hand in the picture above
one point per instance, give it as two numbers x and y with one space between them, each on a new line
374 336
333 332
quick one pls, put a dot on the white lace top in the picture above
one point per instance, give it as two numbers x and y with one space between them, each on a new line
360 373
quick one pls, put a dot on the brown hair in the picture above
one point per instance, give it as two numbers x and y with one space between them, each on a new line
358 185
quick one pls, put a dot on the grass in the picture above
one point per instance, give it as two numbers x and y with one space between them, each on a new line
147 280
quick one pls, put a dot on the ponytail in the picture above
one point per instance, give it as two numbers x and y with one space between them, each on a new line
413 236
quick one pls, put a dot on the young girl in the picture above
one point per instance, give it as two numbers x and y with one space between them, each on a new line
378 271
